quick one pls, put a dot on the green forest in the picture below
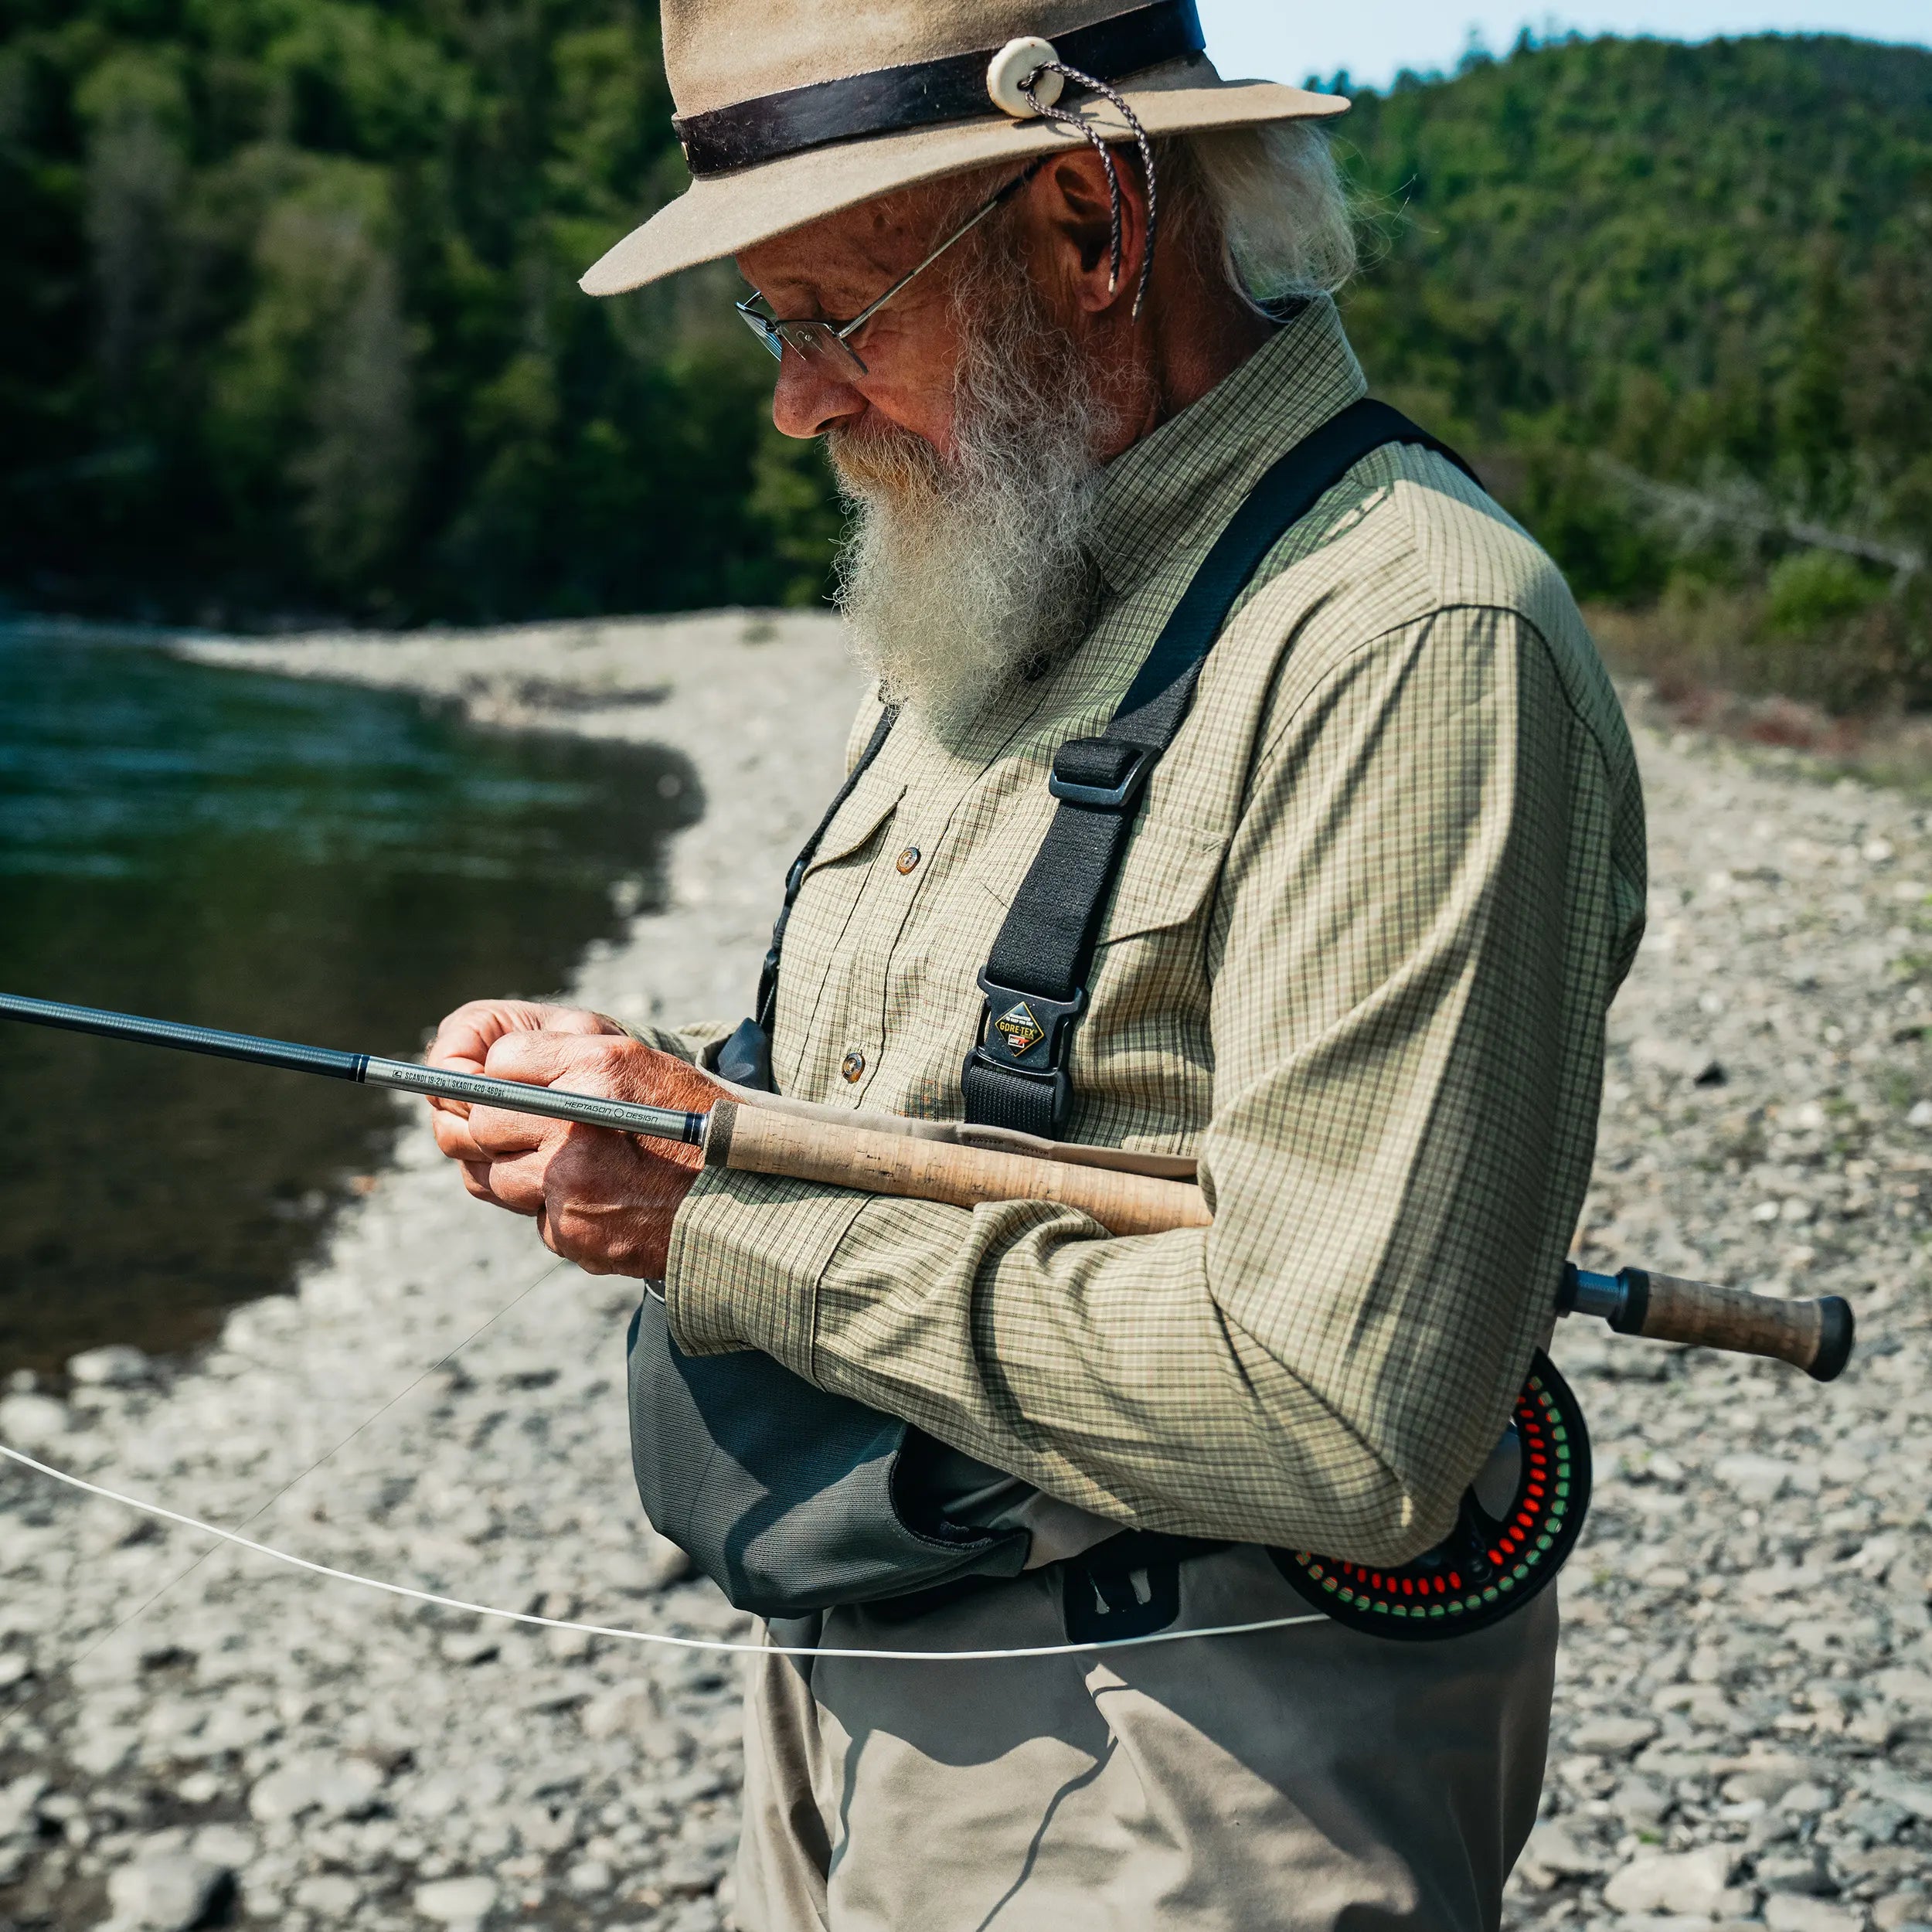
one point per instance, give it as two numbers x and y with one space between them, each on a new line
289 324
1677 303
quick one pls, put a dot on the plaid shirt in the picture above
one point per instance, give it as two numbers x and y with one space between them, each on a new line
1387 880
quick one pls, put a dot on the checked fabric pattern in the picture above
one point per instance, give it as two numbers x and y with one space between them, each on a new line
1387 881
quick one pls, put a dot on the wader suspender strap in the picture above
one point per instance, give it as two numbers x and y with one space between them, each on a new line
766 1011
1035 981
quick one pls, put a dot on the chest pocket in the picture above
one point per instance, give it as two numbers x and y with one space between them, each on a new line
874 800
822 953
1167 877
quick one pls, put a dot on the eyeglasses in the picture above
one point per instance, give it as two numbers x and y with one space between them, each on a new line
826 344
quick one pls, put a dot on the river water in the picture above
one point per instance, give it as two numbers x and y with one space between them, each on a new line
314 861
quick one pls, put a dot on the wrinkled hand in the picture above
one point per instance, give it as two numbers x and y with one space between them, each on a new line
601 1199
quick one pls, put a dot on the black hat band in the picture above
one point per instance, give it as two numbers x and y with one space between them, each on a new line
890 100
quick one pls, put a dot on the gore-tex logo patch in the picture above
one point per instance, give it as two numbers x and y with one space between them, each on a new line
1019 1029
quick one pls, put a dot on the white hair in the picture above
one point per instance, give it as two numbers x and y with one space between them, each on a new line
1274 200
958 571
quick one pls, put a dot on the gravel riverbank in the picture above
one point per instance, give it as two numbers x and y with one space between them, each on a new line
1744 1729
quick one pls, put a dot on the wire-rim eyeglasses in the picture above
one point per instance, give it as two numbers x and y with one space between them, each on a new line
821 340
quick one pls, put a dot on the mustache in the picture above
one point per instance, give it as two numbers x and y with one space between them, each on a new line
880 456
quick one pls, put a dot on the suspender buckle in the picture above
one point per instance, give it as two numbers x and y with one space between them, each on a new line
1107 774
1024 1031
1018 1062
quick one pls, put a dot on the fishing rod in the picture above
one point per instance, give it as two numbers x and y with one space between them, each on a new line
883 1153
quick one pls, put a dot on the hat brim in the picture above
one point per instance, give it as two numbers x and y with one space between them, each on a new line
721 214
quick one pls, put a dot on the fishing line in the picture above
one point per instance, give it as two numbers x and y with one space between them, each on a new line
141 1609
739 1646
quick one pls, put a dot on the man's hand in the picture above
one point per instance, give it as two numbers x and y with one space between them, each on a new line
603 1199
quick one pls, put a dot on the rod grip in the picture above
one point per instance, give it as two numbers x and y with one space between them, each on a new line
1815 1336
754 1140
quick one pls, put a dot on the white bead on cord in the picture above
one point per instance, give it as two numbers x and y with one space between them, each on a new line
1012 66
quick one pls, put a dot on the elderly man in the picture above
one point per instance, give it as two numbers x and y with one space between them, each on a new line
1341 923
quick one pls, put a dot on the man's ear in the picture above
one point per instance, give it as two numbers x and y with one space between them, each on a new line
1075 209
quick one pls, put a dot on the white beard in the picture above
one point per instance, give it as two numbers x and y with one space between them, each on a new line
958 572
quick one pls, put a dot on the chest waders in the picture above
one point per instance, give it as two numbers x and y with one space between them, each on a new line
794 1500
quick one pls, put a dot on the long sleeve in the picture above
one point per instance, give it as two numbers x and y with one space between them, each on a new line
1430 896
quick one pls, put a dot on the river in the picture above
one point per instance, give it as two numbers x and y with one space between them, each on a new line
312 861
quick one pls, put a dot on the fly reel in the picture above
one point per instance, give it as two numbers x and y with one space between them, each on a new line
1519 1521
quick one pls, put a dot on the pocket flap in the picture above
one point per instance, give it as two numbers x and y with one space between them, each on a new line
1169 871
874 800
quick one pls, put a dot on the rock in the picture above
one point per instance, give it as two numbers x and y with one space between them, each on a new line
336 1786
1899 1911
1751 1478
1910 1794
1807 1799
167 1892
100 1749
1554 1853
17 1803
1786 1912
1641 1803
116 1366
629 1711
466 1901
330 1895
1910 1690
471 1647
591 1878
232 1845
32 1422
1802 1872
1613 1736
1876 1819
15 1664
1686 1884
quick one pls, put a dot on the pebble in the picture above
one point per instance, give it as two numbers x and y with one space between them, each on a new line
116 1366
1742 1733
336 1788
167 1892
1686 1884
466 1901
1786 1912
32 1421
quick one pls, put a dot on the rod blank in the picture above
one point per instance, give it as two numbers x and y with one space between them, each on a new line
402 1076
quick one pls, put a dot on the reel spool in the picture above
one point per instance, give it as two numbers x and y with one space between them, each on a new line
1511 1537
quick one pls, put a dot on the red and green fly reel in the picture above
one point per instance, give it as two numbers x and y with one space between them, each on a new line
1519 1521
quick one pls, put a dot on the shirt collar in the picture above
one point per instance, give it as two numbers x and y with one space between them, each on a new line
1177 487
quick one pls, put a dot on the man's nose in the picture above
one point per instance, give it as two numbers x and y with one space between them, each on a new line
811 398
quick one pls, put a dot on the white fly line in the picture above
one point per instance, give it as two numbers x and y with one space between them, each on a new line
666 1637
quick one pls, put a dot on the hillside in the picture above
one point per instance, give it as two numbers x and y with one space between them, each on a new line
288 323
1710 265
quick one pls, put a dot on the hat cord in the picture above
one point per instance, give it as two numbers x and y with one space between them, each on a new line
1061 117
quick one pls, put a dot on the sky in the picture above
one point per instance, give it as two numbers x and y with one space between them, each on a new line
1373 39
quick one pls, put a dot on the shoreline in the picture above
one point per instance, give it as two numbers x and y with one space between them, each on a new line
1743 1730
330 1756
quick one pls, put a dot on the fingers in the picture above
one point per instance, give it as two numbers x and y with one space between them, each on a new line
464 1037
615 1069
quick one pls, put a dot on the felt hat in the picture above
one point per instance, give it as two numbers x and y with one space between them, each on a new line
790 110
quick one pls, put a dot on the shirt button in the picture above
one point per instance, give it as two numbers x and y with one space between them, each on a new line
908 858
852 1064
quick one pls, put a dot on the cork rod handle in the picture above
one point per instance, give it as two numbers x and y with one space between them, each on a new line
1815 1336
753 1139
